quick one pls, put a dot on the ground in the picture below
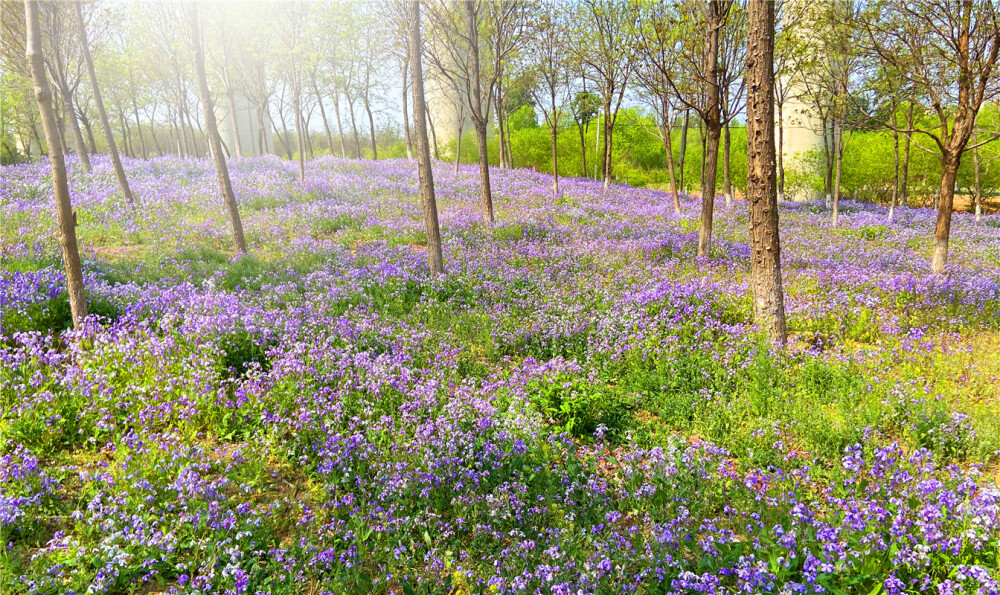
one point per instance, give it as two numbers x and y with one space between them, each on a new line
579 405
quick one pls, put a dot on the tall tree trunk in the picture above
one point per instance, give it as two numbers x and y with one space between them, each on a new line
34 131
434 138
371 128
61 124
434 259
81 147
977 177
765 243
109 136
458 137
501 132
712 137
704 152
135 111
138 127
214 140
90 131
234 119
65 216
608 140
781 152
828 150
727 183
406 113
261 138
838 156
152 132
668 130
181 126
127 143
682 152
286 139
946 199
554 129
300 130
713 130
583 147
354 129
231 97
904 195
478 114
895 178
340 126
308 136
322 113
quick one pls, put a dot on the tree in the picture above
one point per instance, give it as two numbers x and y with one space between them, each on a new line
229 197
732 63
584 108
660 53
456 56
605 50
434 259
788 48
552 87
762 188
63 42
105 125
700 58
948 50
65 216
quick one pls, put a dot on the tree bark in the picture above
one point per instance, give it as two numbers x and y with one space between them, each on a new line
668 129
434 258
762 196
81 147
895 179
501 132
828 160
231 98
434 139
406 114
478 116
838 158
300 131
66 98
781 152
904 195
109 136
682 152
135 111
354 129
371 128
229 197
340 126
554 129
713 130
946 199
152 132
322 113
727 183
977 177
65 216
583 147
607 132
458 138
90 131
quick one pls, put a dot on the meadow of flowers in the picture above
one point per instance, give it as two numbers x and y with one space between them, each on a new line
580 405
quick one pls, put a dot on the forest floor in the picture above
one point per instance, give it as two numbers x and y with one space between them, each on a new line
580 405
